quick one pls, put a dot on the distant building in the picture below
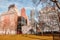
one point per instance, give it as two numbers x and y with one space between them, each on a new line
32 15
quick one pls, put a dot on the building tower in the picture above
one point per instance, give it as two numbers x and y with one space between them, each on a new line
22 20
23 14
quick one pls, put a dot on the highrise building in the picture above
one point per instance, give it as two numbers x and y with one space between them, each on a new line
32 15
23 14
9 20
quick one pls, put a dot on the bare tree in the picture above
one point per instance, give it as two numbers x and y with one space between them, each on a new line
57 3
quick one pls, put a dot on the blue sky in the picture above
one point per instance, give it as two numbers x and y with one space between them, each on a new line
19 3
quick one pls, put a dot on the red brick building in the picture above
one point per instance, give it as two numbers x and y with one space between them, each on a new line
9 20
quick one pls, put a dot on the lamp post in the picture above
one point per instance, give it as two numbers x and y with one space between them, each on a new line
36 3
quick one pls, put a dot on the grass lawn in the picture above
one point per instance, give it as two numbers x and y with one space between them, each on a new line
25 37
